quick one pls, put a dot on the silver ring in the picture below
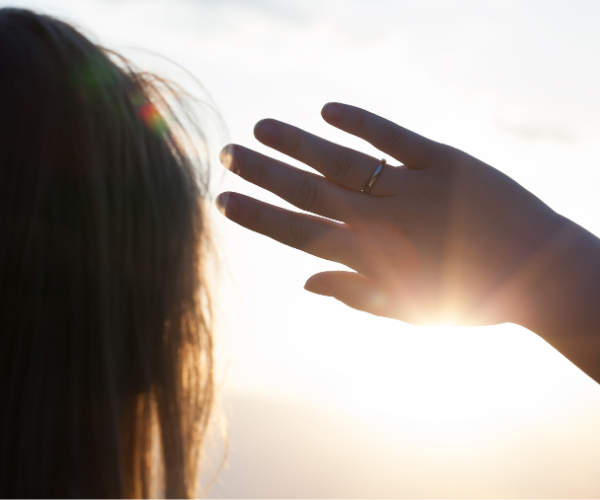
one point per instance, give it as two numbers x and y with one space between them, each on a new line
374 177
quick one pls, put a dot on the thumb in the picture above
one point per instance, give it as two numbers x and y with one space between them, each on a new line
354 290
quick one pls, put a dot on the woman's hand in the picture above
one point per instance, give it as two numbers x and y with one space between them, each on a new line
441 238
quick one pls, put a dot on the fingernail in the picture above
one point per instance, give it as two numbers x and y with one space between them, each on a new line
227 204
231 159
318 286
267 131
331 112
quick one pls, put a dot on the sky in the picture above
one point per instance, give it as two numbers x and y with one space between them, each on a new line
324 401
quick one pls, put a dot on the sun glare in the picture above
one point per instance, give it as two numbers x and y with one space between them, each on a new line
440 393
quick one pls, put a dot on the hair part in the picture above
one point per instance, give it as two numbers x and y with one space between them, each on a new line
106 371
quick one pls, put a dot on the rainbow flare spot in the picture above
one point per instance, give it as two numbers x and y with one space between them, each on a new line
152 118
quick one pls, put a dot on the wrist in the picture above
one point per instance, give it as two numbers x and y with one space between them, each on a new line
562 302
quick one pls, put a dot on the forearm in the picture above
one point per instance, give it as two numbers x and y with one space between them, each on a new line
563 306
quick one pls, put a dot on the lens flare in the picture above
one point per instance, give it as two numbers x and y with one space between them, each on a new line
152 118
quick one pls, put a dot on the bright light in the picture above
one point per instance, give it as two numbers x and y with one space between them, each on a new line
416 411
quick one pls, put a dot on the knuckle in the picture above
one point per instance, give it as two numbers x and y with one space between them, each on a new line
445 154
389 136
339 165
251 217
446 150
305 194
296 234
256 173
361 122
294 142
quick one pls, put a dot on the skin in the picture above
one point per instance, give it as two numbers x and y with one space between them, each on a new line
440 238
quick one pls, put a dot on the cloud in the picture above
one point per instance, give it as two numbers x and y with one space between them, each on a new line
532 131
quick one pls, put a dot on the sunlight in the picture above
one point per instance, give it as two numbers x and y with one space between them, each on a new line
432 396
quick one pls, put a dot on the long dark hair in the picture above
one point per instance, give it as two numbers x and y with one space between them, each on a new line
105 337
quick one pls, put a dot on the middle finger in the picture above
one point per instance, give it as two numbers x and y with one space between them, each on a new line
305 190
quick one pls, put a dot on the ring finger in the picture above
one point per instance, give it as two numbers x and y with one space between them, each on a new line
344 166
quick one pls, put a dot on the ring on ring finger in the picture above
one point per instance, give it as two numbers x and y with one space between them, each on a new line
374 177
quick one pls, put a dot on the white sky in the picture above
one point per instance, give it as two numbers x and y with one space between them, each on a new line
325 401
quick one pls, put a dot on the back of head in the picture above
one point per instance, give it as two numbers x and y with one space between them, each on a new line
105 347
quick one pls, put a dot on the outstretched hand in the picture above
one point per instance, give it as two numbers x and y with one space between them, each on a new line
441 237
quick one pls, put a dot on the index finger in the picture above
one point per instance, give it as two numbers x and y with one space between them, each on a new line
412 149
